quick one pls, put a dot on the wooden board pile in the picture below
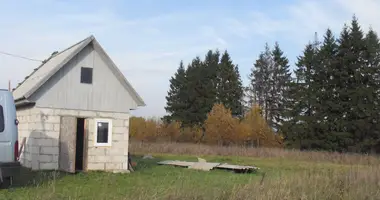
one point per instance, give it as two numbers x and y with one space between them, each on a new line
207 166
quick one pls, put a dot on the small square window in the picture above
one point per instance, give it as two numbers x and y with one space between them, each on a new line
103 132
86 75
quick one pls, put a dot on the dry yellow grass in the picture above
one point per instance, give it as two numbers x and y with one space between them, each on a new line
201 149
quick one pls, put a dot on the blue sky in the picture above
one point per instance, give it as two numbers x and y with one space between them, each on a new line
148 38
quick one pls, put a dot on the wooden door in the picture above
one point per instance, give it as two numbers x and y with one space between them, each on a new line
85 143
67 143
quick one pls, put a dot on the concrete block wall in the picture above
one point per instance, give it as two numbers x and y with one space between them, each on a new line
41 127
41 131
114 157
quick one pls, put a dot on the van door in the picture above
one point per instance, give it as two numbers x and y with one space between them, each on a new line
6 149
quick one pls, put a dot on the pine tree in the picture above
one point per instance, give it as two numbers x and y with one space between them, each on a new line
230 88
176 97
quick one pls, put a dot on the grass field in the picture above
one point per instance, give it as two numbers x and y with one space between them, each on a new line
283 175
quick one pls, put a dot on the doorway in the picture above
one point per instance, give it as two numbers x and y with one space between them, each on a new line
80 145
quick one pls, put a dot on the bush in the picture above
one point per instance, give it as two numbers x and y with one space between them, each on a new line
171 131
191 134
220 128
145 130
258 132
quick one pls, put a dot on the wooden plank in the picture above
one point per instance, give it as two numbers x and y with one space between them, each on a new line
21 148
176 163
205 166
67 143
229 166
237 168
85 145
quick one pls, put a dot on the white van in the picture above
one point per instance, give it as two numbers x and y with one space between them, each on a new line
9 164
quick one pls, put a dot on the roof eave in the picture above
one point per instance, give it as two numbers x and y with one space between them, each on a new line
141 103
23 102
51 73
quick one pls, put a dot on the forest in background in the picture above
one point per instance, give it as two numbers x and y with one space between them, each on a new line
331 100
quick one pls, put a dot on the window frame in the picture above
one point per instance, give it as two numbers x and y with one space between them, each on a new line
82 79
102 120
2 122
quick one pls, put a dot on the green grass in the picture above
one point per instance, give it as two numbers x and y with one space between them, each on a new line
152 181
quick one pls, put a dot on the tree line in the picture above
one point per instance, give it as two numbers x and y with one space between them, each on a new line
330 101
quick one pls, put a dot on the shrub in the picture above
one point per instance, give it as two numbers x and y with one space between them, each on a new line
171 131
191 134
220 127
145 130
259 133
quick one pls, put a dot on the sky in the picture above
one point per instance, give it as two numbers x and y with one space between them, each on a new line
148 38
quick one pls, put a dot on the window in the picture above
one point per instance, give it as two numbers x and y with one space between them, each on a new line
86 75
2 123
103 132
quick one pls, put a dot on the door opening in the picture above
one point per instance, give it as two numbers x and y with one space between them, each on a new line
79 145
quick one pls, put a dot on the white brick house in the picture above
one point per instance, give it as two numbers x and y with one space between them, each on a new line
74 110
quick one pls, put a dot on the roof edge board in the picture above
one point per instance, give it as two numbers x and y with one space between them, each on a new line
58 67
45 61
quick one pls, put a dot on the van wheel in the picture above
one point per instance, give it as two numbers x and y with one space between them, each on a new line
7 183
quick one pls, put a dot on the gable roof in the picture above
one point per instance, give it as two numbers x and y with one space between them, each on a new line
57 60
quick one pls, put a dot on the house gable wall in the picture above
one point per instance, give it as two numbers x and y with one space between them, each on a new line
64 90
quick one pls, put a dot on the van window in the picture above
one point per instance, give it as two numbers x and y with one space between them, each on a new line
1 119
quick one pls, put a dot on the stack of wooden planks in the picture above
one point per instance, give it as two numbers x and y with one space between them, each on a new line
207 166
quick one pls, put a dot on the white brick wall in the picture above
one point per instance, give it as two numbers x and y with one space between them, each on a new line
41 127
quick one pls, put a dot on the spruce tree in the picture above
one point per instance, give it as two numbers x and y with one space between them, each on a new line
326 113
229 87
356 94
371 74
335 99
359 88
176 97
201 80
259 82
279 91
299 128
211 68
195 91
